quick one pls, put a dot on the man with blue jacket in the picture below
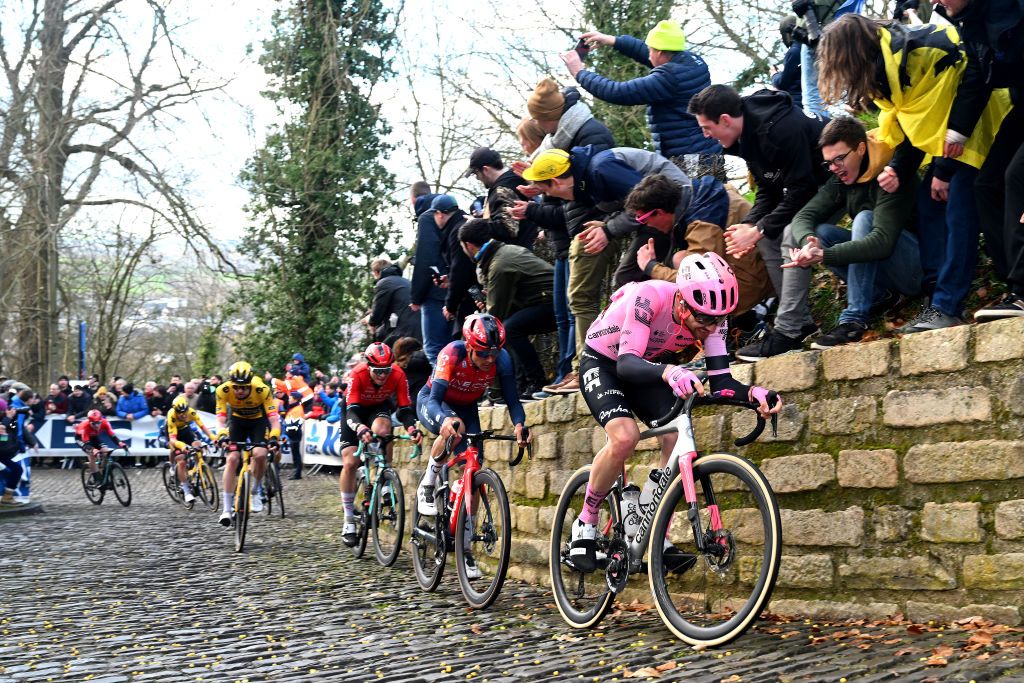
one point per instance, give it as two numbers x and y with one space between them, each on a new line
676 76
131 405
425 296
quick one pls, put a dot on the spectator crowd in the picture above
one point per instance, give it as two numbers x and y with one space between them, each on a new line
886 150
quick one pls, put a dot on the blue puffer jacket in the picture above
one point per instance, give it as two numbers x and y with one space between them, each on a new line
666 91
134 405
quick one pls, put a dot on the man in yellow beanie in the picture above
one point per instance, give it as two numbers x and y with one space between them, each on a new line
676 75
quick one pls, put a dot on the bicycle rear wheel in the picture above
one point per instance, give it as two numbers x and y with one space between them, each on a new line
272 490
712 597
206 483
120 484
242 505
388 518
361 512
171 485
582 598
489 540
92 492
429 547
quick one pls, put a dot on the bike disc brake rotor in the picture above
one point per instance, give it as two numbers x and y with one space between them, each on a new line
720 550
617 573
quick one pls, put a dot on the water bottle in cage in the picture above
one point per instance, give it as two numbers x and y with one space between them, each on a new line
631 510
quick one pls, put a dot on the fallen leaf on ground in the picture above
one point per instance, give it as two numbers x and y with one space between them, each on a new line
667 666
646 672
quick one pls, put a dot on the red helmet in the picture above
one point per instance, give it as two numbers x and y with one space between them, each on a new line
379 355
483 332
94 416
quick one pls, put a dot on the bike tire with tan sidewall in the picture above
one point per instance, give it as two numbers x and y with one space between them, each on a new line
763 500
577 618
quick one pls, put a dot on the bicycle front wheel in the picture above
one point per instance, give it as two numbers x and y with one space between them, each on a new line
361 510
388 518
583 598
119 482
242 505
207 486
483 539
278 488
710 597
93 492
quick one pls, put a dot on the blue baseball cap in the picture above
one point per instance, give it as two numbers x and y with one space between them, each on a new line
445 203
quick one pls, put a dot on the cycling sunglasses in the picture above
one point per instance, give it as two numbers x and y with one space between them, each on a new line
705 320
642 218
486 354
381 371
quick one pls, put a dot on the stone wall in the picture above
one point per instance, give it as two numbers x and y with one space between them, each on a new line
899 469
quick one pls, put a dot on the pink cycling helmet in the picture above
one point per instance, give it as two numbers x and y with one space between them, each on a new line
708 284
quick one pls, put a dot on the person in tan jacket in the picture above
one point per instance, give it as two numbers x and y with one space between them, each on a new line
655 197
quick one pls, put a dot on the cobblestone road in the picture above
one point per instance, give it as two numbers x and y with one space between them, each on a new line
156 593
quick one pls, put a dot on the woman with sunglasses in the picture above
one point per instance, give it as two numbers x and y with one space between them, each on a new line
620 375
374 390
465 369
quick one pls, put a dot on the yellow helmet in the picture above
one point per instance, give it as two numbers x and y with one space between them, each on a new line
180 403
240 373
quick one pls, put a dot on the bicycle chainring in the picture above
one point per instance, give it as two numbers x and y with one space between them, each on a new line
616 574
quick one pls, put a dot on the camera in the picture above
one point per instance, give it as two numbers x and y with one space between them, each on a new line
477 294
582 49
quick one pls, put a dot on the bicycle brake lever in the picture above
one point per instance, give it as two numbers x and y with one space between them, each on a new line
775 425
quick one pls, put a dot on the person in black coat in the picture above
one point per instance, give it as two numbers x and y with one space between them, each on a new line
787 78
390 316
460 273
410 357
780 145
992 32
425 296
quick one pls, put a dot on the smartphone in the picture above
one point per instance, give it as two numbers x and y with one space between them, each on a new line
582 49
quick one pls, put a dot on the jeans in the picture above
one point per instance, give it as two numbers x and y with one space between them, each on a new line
564 319
948 235
900 272
436 330
809 83
535 319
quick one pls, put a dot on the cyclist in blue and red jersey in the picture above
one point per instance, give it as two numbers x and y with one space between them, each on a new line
622 373
376 388
464 371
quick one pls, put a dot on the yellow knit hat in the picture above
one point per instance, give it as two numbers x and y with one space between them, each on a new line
667 35
550 164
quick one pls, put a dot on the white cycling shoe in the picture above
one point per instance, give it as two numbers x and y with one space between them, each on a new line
425 504
257 502
583 546
225 518
472 571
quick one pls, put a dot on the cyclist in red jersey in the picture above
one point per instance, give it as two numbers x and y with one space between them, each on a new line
87 436
465 369
620 374
377 388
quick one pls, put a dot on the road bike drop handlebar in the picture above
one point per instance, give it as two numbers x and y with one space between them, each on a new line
721 399
384 440
488 434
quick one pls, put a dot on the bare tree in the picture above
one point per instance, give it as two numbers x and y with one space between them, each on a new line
85 93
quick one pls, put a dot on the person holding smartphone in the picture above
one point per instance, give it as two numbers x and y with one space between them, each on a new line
676 75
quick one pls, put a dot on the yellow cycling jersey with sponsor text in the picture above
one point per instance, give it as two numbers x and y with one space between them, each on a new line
257 404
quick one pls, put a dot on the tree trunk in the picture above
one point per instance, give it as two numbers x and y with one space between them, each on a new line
39 223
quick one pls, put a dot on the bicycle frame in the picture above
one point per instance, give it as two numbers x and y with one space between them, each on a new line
379 460
472 461
680 463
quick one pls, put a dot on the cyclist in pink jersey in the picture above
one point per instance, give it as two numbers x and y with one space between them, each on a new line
621 376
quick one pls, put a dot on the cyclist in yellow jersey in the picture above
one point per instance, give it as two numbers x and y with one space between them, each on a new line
254 419
181 435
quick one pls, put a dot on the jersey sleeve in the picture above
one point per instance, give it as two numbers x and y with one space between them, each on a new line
355 387
194 414
269 407
222 402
